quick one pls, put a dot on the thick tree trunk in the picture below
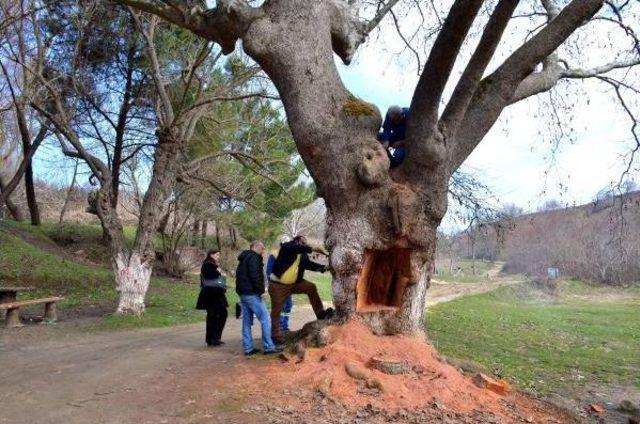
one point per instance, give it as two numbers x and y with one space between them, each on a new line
381 224
131 268
134 267
385 284
30 192
381 228
132 281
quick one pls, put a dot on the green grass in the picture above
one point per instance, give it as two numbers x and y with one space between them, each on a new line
66 233
33 256
322 282
83 238
466 275
23 264
545 346
85 286
167 304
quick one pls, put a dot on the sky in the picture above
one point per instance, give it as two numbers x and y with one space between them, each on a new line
516 157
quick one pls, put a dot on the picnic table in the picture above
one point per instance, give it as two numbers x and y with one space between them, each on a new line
10 307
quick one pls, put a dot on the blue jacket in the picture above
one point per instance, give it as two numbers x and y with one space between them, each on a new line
270 262
394 133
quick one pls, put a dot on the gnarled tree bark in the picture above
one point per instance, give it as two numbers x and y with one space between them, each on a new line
381 224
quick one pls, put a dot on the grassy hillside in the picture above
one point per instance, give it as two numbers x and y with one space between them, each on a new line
43 258
71 261
554 341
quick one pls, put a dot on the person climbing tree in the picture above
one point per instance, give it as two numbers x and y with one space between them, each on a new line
288 303
393 133
287 278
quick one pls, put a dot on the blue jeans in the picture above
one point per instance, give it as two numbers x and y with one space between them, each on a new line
286 312
253 305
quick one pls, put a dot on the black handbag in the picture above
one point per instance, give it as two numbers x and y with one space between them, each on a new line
218 283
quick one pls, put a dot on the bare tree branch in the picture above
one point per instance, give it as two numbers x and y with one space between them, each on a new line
478 63
214 99
165 113
373 23
498 89
224 24
635 122
437 70
406 42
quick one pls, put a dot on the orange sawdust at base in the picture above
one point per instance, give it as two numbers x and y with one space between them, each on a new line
342 372
426 378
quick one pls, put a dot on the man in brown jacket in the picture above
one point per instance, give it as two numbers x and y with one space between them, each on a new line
287 277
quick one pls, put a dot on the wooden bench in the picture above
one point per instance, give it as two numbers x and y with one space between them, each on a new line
13 310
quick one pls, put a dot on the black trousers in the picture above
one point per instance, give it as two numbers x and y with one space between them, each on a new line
216 319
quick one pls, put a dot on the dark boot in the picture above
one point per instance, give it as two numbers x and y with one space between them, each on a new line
327 314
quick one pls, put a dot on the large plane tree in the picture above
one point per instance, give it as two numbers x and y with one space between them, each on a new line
381 224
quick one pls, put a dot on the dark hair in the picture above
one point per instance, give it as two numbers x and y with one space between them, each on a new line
210 253
298 238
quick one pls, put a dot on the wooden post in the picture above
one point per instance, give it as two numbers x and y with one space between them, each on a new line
13 318
50 312
6 297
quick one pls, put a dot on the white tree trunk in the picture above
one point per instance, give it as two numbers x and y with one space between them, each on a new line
132 279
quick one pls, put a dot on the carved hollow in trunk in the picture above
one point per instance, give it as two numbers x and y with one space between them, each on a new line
383 280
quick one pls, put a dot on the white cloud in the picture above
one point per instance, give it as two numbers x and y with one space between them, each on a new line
514 158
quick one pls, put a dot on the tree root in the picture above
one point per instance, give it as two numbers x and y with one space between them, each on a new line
390 366
312 334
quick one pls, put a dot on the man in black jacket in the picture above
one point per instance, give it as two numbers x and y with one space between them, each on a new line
251 288
287 277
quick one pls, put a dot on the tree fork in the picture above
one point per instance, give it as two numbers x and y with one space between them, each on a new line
380 222
371 214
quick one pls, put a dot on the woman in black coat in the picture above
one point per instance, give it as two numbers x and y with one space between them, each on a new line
213 299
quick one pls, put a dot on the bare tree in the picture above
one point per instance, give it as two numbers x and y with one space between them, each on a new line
594 242
308 221
19 86
182 89
379 220
550 205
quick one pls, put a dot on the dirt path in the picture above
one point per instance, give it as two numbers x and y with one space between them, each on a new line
58 374
121 377
442 291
